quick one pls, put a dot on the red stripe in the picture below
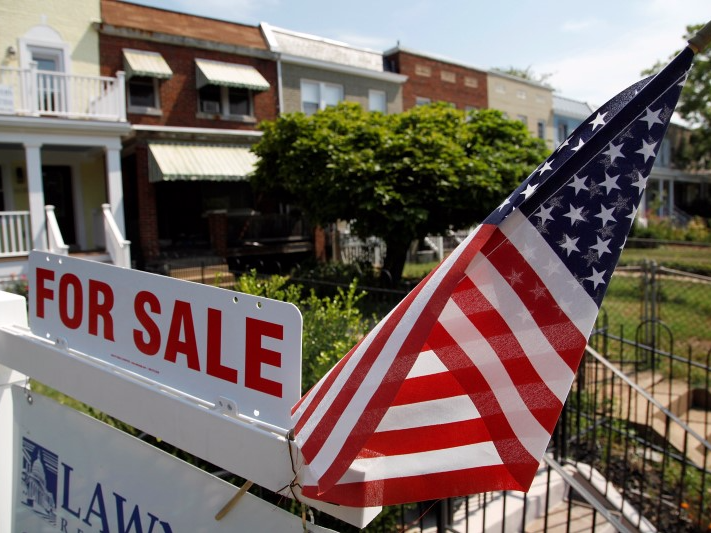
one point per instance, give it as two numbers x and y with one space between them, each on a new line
426 388
458 362
425 438
543 404
396 373
428 486
560 332
329 380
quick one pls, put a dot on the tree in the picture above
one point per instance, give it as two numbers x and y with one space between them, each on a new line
399 177
527 74
695 107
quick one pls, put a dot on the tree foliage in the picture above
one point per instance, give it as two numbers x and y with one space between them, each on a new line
695 107
527 74
398 177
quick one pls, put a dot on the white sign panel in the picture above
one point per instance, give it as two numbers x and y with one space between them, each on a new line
220 346
73 473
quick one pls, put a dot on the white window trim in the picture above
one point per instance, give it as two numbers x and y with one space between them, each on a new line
321 85
46 40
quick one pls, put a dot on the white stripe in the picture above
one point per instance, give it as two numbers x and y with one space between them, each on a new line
421 463
548 364
527 429
355 408
561 284
431 412
427 364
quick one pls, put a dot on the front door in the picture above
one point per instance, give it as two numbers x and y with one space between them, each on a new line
57 183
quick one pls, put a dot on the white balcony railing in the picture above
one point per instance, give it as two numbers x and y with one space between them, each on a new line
15 233
40 92
55 241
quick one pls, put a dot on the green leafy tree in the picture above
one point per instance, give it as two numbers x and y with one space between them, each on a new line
399 177
695 107
527 74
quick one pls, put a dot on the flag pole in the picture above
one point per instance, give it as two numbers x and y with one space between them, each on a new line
702 39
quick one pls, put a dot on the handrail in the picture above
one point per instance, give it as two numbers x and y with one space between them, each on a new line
651 399
55 241
118 248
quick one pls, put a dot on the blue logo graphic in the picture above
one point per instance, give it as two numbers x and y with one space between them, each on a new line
39 480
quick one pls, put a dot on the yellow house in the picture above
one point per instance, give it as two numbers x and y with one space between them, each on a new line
60 135
524 100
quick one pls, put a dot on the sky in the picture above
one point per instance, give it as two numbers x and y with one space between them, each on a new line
590 50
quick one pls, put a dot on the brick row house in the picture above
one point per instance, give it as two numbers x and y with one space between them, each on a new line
196 88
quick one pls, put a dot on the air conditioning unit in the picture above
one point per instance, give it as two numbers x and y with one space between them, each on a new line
210 106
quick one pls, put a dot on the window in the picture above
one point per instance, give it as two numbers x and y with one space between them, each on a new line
448 76
522 118
470 81
377 101
144 70
142 94
562 132
521 94
421 100
423 70
318 95
230 102
541 129
500 88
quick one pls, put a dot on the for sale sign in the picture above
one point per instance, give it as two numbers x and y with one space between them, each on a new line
219 346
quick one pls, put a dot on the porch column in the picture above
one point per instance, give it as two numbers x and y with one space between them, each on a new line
35 193
671 199
660 209
115 186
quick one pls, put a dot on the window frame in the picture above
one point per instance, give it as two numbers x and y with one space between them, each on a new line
154 109
377 93
322 103
224 103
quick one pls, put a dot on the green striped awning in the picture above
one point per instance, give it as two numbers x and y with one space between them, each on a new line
229 75
193 162
144 63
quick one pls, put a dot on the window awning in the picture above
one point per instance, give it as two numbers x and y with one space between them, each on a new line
229 75
190 162
144 63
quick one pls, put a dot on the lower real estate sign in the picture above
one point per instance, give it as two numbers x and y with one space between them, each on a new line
72 473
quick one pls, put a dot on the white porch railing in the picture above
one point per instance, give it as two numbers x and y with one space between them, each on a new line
118 248
39 92
55 241
15 233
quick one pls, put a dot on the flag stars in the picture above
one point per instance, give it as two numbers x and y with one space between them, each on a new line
503 204
530 189
614 151
647 150
578 184
553 267
580 145
651 118
515 278
621 203
596 278
598 121
601 247
569 244
539 291
641 182
545 214
546 167
606 215
575 214
610 183
591 257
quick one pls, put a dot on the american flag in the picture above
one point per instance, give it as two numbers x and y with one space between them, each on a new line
458 389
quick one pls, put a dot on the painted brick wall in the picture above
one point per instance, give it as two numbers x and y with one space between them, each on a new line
439 81
179 95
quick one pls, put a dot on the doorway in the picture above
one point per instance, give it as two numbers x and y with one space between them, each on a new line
57 184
